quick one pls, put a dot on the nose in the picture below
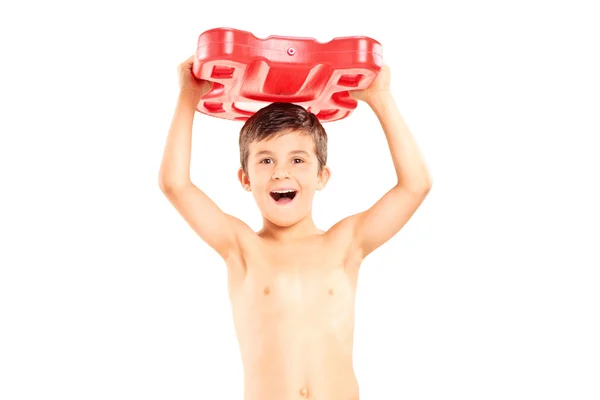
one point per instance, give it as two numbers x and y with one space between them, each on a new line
280 173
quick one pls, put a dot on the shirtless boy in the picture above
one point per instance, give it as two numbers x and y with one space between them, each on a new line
291 285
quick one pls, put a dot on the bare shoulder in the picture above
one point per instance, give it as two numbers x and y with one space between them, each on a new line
342 230
241 228
245 239
244 235
341 238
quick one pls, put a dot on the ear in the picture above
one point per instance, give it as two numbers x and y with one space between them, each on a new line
323 178
244 179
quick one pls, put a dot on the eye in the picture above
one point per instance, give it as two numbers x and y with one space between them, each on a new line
266 161
297 160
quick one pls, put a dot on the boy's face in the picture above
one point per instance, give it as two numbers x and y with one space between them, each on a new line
283 174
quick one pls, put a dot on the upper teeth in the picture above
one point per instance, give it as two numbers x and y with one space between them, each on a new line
284 191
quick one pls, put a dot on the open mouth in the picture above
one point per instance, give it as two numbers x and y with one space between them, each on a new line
283 196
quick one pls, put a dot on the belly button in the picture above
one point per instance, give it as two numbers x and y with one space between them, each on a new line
304 392
266 291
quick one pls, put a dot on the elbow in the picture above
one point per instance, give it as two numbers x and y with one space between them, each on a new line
169 181
427 185
163 186
170 185
424 181
420 186
163 183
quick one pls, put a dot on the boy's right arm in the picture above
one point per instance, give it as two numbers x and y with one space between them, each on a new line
213 226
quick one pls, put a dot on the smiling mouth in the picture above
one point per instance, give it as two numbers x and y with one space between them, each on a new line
283 196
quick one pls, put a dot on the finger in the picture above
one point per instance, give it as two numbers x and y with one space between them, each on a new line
188 61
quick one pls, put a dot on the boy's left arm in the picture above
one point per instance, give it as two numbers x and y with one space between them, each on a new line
388 215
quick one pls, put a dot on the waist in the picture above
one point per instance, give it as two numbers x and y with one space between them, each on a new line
282 380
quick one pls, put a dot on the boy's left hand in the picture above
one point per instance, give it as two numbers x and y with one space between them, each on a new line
380 85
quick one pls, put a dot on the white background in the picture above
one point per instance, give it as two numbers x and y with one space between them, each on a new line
490 291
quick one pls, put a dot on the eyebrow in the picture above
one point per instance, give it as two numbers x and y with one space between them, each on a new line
269 153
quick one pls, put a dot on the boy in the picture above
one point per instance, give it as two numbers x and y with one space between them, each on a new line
291 285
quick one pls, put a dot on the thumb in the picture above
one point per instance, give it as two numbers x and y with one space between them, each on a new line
189 61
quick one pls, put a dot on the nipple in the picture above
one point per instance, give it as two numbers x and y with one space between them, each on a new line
330 292
267 291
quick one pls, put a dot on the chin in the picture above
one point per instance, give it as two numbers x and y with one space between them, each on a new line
283 221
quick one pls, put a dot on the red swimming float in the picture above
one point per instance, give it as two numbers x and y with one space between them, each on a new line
249 73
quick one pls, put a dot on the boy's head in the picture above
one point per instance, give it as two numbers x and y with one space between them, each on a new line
283 157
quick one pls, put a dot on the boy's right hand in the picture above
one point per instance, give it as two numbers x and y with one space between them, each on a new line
189 83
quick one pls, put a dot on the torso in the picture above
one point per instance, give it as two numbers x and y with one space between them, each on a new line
293 311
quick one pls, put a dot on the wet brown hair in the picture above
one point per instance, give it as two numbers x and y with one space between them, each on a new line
278 118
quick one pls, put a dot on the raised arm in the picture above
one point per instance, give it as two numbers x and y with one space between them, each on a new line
388 215
213 226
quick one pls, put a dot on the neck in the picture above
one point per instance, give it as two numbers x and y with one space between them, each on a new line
302 229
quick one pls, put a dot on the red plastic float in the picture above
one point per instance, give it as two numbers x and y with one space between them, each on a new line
249 73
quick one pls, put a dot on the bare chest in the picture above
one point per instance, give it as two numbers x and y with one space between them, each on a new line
310 282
